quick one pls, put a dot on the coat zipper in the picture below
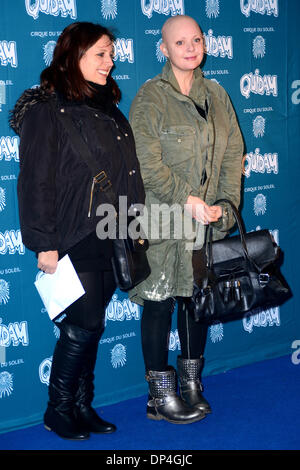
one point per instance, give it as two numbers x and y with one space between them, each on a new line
96 179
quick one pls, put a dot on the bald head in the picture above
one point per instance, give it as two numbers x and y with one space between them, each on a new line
182 43
174 22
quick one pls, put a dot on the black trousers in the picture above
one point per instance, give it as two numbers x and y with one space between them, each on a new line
155 330
88 312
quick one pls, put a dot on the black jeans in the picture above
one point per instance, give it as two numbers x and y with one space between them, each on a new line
155 329
88 312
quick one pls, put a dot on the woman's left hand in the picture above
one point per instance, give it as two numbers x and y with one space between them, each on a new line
47 261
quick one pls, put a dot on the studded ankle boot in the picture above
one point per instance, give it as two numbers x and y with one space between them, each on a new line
165 404
190 386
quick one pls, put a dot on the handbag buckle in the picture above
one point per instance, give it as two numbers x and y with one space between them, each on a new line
263 278
98 179
102 176
206 291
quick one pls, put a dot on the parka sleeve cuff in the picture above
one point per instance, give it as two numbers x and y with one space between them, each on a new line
36 241
226 222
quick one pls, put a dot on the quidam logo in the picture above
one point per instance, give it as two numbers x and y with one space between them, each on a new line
259 47
258 84
257 162
45 370
120 310
11 242
14 334
263 7
9 148
174 342
51 7
109 9
163 7
212 8
218 45
8 53
261 318
123 50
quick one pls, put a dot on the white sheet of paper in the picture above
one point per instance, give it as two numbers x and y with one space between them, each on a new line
61 289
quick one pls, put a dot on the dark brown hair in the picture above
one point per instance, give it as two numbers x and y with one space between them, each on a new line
64 74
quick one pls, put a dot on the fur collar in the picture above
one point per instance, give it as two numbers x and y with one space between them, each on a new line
29 98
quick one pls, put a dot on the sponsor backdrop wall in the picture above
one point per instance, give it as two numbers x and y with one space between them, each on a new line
252 50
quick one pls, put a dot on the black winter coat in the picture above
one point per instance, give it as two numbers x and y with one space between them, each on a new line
54 184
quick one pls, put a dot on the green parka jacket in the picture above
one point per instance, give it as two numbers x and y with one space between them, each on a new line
174 143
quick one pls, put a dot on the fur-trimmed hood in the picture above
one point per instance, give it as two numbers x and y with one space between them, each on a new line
29 97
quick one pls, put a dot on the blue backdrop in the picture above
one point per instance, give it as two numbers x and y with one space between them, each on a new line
252 50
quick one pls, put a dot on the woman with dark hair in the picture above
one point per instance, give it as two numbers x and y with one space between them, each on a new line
58 198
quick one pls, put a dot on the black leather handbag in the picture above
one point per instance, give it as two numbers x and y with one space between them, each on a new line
129 260
236 275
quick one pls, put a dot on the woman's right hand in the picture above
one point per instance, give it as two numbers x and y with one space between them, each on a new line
47 261
201 211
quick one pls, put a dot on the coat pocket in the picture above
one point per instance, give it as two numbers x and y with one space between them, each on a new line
178 145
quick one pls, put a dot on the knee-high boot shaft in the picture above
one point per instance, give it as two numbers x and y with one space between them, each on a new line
67 366
71 388
85 413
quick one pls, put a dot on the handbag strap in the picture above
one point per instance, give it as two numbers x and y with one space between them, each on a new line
208 236
239 222
82 149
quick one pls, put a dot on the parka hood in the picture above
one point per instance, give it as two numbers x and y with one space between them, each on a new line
29 97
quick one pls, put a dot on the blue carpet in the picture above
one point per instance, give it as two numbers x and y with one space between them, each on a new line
255 407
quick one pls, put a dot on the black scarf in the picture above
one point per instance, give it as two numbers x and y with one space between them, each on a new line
102 98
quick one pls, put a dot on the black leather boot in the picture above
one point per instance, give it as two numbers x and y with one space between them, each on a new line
190 386
66 367
165 404
86 415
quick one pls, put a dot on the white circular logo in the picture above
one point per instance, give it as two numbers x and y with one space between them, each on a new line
4 291
216 332
260 204
118 355
2 199
48 52
259 126
212 8
6 384
109 9
259 47
159 55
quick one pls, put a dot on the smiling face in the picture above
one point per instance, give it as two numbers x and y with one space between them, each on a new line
182 43
97 61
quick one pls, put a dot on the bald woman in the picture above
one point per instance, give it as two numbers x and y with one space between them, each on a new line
190 150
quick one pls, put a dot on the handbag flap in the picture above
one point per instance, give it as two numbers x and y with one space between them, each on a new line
261 248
